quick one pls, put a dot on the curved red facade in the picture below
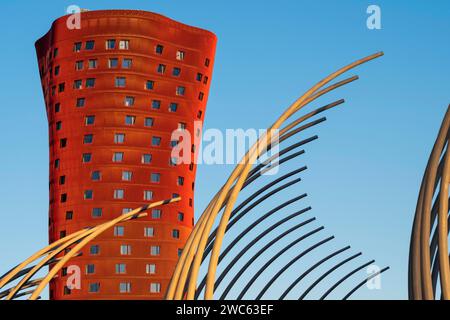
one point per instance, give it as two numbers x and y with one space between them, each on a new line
115 90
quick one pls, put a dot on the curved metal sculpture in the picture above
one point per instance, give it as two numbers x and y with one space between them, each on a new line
204 242
59 253
429 255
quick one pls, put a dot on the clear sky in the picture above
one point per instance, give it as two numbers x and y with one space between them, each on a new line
364 171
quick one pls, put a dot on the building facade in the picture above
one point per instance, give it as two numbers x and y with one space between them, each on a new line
115 89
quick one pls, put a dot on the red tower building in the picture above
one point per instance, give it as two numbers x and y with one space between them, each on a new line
115 89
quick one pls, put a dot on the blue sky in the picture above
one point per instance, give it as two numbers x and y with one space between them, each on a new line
365 170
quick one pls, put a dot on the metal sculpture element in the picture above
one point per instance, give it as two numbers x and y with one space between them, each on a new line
205 242
429 255
59 253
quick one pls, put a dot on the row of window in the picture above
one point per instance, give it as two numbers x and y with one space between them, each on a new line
124 287
120 230
126 176
119 194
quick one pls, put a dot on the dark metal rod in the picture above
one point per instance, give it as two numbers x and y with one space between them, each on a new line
363 282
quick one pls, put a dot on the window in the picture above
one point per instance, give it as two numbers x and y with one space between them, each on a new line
148 195
180 181
150 85
90 120
180 91
175 195
55 52
94 249
78 84
126 63
61 87
110 44
90 268
161 68
156 104
173 107
130 120
94 287
95 176
127 175
119 231
90 45
155 250
87 157
88 194
79 65
150 268
155 177
180 55
125 250
119 138
81 102
205 80
126 210
149 232
56 164
96 212
176 72
64 271
207 62
67 291
201 95
182 126
120 82
125 287
180 252
146 158
121 268
129 101
63 142
58 125
62 234
180 216
156 214
90 83
156 141
77 47
118 157
118 194
173 143
69 215
199 114
199 77
155 287
57 69
148 122
159 49
88 138
57 107
92 63
124 44
176 234
113 63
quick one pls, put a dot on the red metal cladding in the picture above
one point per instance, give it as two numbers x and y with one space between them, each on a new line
115 90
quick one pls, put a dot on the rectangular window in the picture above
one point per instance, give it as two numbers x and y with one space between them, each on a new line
90 269
118 194
127 175
94 287
95 176
180 91
130 120
180 216
176 72
90 120
150 268
125 287
199 77
57 107
126 210
58 125
156 104
67 291
88 194
94 249
207 62
79 65
124 44
92 64
149 232
126 63
63 143
159 49
180 55
56 164
180 181
119 231
155 177
90 45
161 68
201 95
120 82
146 158
150 85
125 250
61 87
69 215
148 195
205 80
78 84
55 52
77 47
88 138
173 107
129 101
121 268
155 287
113 63
110 44
119 138
156 141
156 214
182 126
90 83
155 250
118 157
81 102
149 122
176 234
87 157
57 69
97 212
